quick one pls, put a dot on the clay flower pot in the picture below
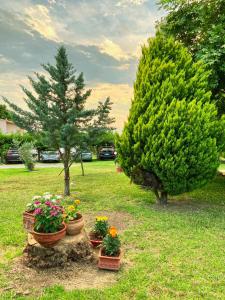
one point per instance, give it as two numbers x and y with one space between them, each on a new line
74 227
119 169
108 262
95 241
28 220
49 240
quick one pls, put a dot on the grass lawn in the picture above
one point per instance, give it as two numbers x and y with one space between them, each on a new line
176 251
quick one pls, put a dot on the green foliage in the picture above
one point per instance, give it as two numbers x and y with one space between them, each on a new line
101 226
172 140
25 152
111 243
57 110
4 113
48 215
8 140
200 26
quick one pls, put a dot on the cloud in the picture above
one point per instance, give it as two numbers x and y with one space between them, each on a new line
120 94
130 2
4 60
38 18
102 38
113 49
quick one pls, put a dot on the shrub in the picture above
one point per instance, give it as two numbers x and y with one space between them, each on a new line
172 140
25 152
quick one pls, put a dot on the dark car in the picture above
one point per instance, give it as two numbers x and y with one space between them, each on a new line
107 153
50 156
13 156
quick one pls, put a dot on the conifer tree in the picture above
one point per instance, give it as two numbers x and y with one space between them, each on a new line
172 139
57 110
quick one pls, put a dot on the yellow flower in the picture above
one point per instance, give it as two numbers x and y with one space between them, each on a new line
113 231
71 208
77 201
101 218
64 216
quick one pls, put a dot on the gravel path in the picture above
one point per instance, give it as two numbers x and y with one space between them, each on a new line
37 165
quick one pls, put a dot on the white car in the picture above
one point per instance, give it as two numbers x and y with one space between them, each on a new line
50 156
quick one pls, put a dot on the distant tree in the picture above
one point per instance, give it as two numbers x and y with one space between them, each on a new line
199 25
172 140
4 113
57 110
102 131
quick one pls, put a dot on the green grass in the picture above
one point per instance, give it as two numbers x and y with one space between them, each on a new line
177 252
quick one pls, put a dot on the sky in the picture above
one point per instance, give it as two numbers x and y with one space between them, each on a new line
103 39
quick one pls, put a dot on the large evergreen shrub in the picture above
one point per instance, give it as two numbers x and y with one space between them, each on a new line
172 139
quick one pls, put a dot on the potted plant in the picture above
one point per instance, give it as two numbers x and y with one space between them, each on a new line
99 231
49 227
110 252
28 215
74 219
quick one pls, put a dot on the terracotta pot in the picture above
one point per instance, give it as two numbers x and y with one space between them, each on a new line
94 240
28 220
74 227
49 240
119 170
108 262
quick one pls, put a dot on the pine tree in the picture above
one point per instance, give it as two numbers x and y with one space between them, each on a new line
57 110
172 139
4 113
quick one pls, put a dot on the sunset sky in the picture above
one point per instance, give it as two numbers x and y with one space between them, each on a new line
103 40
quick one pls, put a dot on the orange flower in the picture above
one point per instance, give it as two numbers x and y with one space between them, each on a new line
113 231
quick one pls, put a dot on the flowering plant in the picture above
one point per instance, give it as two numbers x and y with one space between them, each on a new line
40 199
48 218
111 242
72 210
101 226
49 214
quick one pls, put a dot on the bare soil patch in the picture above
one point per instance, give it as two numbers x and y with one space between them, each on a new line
76 275
121 220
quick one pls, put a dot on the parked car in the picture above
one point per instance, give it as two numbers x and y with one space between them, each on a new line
107 153
12 156
50 156
86 156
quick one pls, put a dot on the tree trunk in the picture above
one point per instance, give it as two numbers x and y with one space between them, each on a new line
163 199
82 165
66 173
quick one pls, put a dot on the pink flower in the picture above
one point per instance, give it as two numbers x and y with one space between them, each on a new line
48 203
56 207
53 213
38 211
37 202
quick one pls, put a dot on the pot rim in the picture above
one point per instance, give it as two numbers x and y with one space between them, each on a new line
111 257
93 237
77 220
29 212
50 233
